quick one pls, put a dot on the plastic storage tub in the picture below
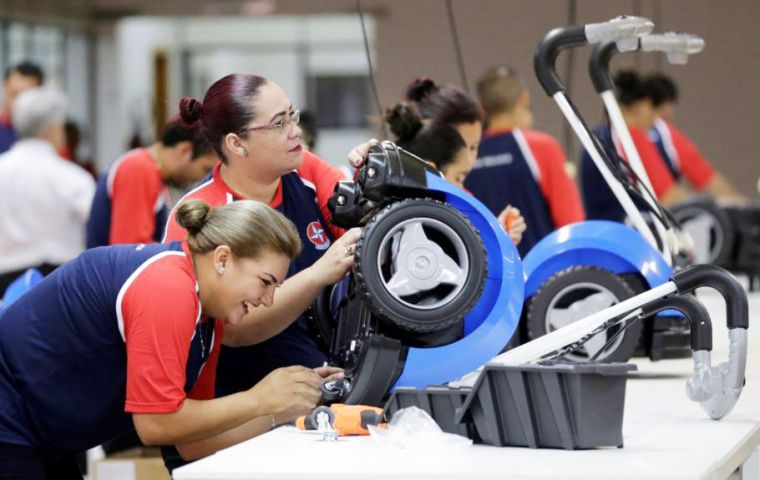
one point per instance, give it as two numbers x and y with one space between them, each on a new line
570 406
440 402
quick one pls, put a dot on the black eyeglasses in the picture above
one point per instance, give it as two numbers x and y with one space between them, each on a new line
291 119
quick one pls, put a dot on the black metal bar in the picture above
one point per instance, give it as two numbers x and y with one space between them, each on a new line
544 61
737 309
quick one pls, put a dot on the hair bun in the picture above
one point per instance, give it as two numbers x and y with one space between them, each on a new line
190 109
193 215
404 121
420 88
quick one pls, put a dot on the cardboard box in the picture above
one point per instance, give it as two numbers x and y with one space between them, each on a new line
135 464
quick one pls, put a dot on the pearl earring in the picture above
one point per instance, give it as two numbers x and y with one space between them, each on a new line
245 152
220 269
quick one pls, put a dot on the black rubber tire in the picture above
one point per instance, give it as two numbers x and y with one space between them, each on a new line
706 206
746 221
369 282
319 319
535 319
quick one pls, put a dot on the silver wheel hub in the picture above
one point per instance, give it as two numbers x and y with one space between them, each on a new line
706 235
585 299
422 264
423 258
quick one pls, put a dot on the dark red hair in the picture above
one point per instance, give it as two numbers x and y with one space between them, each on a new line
228 107
177 130
443 103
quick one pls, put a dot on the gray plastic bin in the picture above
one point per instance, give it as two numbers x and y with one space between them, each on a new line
439 402
570 406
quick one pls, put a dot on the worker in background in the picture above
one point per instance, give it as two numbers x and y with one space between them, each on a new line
518 166
682 157
18 79
452 106
309 132
442 145
639 115
131 204
71 150
44 199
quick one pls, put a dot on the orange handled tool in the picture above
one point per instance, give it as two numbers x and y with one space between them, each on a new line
344 419
511 217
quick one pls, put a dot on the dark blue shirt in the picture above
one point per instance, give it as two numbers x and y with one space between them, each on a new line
63 357
598 199
136 184
7 137
508 171
242 367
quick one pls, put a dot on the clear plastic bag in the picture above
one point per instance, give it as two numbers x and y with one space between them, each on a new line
413 429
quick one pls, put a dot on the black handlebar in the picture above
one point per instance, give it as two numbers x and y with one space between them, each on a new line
546 55
695 313
737 309
599 66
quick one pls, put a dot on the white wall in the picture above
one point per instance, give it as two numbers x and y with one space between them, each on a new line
109 128
77 64
137 41
284 49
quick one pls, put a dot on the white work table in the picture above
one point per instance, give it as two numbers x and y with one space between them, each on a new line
665 434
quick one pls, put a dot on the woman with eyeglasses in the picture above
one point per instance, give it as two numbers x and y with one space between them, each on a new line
253 127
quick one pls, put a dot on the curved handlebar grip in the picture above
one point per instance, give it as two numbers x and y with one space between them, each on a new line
599 66
621 30
677 46
694 276
547 52
717 388
696 314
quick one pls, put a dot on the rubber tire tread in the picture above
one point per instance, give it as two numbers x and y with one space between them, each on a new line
535 318
367 286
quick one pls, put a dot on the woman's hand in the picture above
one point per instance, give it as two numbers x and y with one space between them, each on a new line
330 373
358 155
337 260
288 392
513 222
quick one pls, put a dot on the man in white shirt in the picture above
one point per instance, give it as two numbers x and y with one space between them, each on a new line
44 199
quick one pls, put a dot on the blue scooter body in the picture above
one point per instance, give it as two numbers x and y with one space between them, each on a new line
596 243
20 286
491 323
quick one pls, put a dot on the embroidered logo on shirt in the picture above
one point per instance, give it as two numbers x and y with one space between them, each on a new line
493 160
317 236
